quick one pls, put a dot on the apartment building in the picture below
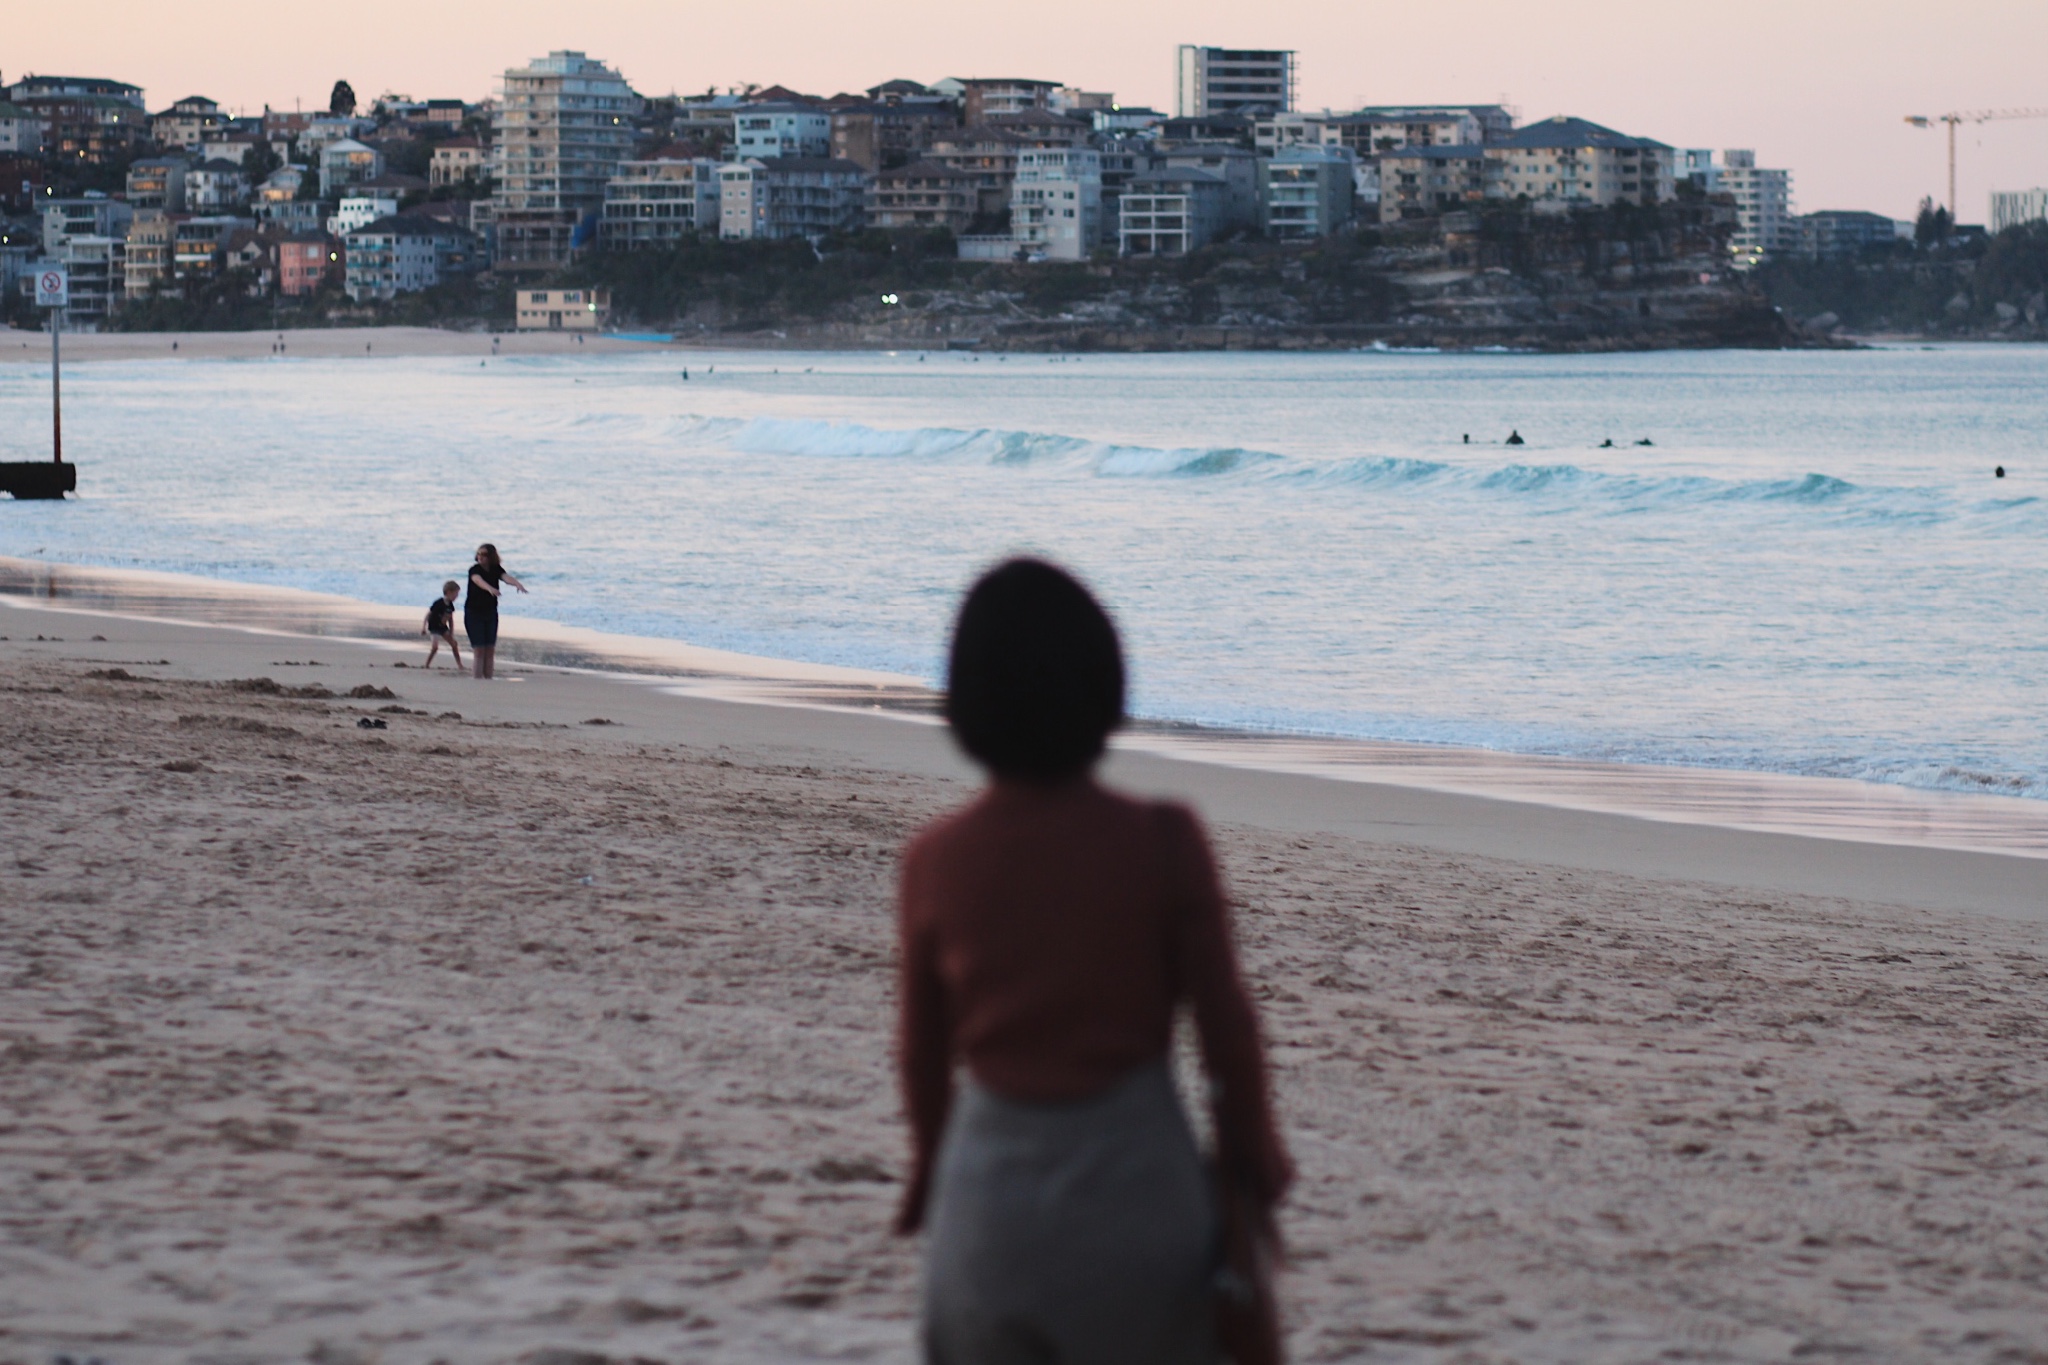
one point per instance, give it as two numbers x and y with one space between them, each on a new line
406 253
278 202
1564 162
215 186
1305 192
1425 181
1056 203
148 251
761 131
987 154
1369 132
653 204
790 196
2011 208
1237 168
345 162
1220 80
1845 232
982 97
924 194
1764 225
882 135
359 211
68 87
92 214
1070 99
89 130
97 266
21 131
1042 128
158 182
187 123
305 262
196 243
1170 212
456 160
562 127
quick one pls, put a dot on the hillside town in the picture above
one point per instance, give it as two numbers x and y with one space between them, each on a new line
368 202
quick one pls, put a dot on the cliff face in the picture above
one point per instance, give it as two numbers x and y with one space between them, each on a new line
1984 289
1623 279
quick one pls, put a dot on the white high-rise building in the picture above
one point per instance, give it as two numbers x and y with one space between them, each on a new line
2010 208
562 127
1228 80
1763 207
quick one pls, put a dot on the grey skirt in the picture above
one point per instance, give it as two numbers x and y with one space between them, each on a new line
1075 1234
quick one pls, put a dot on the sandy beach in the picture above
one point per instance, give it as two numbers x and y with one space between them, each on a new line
495 1033
307 343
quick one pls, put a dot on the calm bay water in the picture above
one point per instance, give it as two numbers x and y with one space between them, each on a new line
1811 570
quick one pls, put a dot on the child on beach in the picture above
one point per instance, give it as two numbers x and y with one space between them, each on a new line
440 625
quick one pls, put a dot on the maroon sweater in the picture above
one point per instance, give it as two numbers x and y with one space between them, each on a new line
1047 935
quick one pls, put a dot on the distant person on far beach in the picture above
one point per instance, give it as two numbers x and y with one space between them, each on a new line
1049 931
480 610
439 626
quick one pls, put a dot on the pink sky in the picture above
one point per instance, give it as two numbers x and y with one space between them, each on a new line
1818 86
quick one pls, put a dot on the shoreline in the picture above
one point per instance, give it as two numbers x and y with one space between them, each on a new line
1759 802
388 342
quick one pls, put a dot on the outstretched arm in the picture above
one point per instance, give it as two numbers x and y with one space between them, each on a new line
515 582
477 579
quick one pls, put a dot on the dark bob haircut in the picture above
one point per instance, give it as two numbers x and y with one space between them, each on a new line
1035 682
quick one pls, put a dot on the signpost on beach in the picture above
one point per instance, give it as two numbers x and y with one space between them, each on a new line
36 479
53 291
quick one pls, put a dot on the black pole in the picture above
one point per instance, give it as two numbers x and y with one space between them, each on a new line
57 384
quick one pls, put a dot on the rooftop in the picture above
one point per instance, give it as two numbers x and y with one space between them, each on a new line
1564 131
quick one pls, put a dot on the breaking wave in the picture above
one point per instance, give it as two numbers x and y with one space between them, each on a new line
1563 485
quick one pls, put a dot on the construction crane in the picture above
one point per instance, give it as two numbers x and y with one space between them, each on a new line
1966 116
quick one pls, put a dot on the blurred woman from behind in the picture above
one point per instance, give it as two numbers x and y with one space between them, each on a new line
1049 931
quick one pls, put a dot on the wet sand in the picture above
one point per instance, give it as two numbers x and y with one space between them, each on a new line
487 1036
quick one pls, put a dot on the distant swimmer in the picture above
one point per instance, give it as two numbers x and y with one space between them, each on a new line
1646 441
1607 444
1468 438
1514 439
686 374
1998 473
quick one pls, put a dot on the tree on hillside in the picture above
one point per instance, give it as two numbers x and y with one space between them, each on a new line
342 103
1933 226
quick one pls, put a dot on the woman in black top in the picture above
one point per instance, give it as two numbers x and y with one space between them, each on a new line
480 609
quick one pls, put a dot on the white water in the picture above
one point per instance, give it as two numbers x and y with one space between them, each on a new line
1811 571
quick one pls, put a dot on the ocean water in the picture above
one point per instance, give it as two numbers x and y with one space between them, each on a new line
1810 570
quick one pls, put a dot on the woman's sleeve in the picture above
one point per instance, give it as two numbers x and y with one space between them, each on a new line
924 1044
1248 1140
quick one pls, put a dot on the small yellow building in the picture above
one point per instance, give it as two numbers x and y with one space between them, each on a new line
563 310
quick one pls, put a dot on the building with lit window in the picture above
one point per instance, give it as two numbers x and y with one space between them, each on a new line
563 310
654 203
1305 192
1568 162
563 125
